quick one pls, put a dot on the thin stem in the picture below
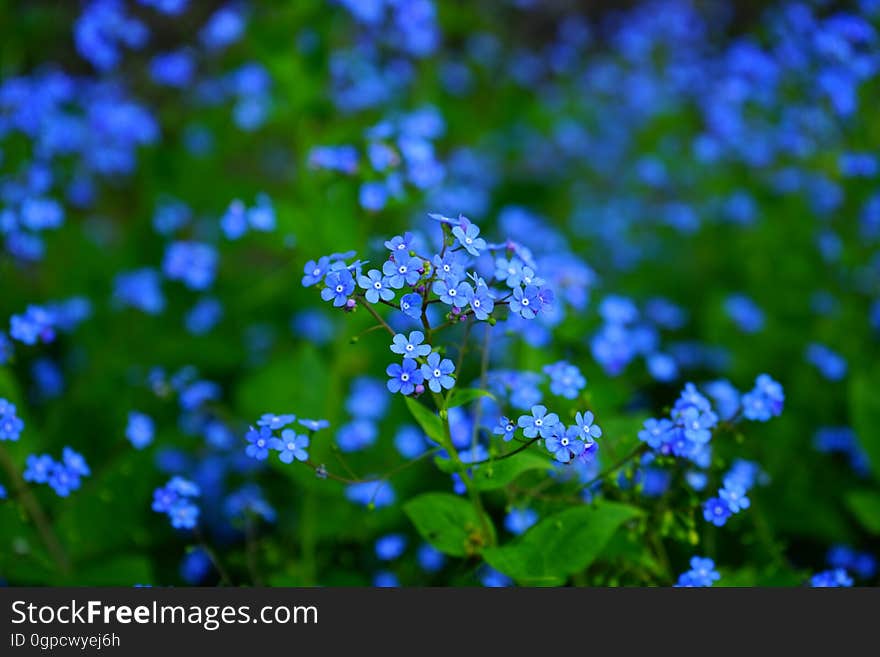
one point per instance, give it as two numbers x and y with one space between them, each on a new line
251 550
36 514
366 304
212 555
638 451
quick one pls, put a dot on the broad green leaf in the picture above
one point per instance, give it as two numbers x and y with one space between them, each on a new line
560 545
865 506
865 414
500 473
462 396
431 424
448 522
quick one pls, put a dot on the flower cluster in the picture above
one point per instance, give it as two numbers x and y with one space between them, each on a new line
288 443
443 277
11 425
408 377
565 443
733 495
834 578
63 476
702 573
176 500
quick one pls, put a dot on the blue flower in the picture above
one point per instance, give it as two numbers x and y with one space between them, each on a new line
406 271
399 245
193 263
697 426
11 425
259 443
373 196
314 425
390 547
376 286
371 493
184 515
525 302
356 435
315 271
410 441
75 463
36 324
411 305
452 292
837 577
63 480
340 284
519 520
538 423
467 234
290 446
385 580
405 377
412 346
565 444
509 271
275 422
140 289
430 558
437 372
716 511
588 430
37 468
566 380
734 495
764 401
448 267
505 428
701 574
234 221
140 429
480 300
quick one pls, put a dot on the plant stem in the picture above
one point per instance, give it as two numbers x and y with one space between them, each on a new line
36 514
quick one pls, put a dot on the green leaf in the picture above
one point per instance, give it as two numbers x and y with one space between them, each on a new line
560 545
500 473
431 424
462 396
449 523
865 506
865 413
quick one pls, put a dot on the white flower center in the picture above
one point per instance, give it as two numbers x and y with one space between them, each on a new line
316 271
409 347
404 377
525 302
539 422
402 269
339 288
476 303
564 442
436 374
261 442
291 447
452 292
378 285
468 240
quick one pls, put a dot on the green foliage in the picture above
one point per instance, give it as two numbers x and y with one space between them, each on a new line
450 523
560 545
